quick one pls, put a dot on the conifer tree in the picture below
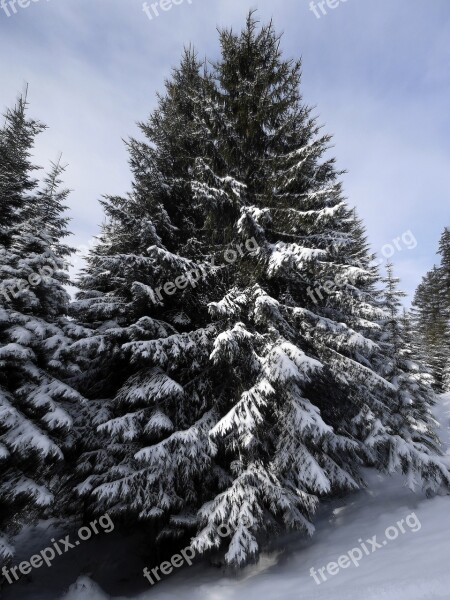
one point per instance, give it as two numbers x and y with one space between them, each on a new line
246 397
444 251
431 315
36 406
411 396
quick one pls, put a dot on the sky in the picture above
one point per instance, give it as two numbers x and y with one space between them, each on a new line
376 71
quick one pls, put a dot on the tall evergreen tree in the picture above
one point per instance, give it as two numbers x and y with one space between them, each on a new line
444 251
247 396
36 406
411 396
431 315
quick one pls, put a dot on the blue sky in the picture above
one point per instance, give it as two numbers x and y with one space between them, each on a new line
377 72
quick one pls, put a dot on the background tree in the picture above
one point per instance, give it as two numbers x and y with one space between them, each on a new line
431 316
36 406
411 396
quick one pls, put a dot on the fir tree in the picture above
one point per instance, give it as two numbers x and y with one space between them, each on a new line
36 406
444 251
431 314
411 397
247 397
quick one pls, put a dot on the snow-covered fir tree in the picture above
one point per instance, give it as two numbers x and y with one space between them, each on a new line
431 316
411 397
36 406
444 251
249 394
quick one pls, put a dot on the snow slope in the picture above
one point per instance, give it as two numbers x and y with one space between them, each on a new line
412 567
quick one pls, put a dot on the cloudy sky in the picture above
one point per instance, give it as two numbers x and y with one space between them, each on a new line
377 72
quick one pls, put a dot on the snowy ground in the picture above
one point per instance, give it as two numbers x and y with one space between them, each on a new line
412 567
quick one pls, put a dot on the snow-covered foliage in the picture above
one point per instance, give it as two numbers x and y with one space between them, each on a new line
37 406
237 398
241 399
431 318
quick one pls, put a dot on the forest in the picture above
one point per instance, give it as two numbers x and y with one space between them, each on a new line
194 380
